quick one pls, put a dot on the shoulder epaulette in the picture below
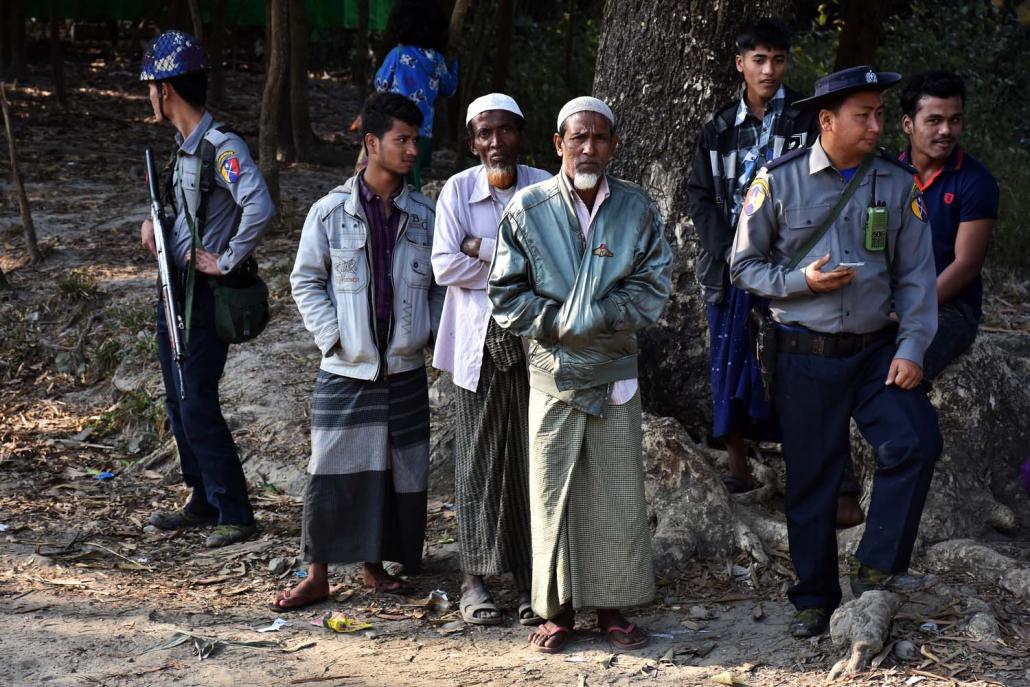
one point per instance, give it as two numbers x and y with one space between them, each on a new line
886 156
786 157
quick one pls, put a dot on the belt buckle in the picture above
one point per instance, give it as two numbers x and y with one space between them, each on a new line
818 345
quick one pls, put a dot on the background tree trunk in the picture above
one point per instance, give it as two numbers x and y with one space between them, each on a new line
57 54
198 21
277 49
359 69
23 200
863 23
13 25
660 106
505 19
216 48
4 284
300 120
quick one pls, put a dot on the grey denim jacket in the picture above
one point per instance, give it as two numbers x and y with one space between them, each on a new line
332 285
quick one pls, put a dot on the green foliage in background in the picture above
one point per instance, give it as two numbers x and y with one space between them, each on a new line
987 45
541 80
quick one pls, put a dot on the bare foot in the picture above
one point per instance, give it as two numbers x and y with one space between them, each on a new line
312 590
382 582
621 632
849 511
553 635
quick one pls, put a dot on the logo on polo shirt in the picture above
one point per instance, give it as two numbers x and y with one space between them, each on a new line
948 198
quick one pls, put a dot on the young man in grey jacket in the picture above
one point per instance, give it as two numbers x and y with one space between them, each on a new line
364 286
581 264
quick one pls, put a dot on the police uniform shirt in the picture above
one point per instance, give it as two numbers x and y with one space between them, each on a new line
785 205
239 200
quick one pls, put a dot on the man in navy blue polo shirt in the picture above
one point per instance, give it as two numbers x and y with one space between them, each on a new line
961 197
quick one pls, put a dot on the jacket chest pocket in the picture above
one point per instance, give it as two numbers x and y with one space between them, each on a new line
349 267
418 271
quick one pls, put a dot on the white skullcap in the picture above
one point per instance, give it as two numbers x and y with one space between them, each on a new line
492 101
585 103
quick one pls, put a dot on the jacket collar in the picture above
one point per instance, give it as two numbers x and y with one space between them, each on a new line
192 142
352 205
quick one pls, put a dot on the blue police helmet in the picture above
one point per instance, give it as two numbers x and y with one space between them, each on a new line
173 53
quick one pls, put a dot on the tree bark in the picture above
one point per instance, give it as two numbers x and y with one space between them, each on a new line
198 21
505 18
35 255
57 54
863 24
359 69
4 284
300 119
216 47
660 106
14 26
277 48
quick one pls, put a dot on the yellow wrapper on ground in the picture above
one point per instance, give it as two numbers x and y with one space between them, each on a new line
337 621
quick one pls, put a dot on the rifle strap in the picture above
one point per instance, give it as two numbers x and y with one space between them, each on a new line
196 227
849 191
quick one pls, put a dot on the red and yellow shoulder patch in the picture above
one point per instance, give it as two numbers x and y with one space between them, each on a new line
229 166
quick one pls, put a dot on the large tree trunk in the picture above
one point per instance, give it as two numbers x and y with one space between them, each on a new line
12 25
664 72
23 200
216 48
198 21
359 68
57 54
300 119
863 24
277 49
505 19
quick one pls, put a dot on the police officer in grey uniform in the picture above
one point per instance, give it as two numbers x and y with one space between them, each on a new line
848 346
238 210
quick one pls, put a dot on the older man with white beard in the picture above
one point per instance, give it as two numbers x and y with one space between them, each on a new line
487 363
581 264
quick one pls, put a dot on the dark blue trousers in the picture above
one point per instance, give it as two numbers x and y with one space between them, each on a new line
210 463
815 400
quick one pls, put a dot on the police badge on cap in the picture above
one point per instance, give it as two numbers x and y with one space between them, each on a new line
851 80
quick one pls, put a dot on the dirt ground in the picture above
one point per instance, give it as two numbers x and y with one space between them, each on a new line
89 597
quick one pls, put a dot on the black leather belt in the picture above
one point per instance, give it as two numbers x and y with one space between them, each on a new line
829 345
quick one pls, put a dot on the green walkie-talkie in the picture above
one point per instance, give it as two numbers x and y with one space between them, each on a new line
876 223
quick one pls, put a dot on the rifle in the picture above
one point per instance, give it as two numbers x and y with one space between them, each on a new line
175 324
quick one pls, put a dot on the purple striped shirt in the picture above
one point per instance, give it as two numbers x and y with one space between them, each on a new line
382 235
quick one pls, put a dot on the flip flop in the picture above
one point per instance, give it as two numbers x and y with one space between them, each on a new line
527 616
554 631
479 602
626 631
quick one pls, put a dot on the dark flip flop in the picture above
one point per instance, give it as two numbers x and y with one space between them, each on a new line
735 485
527 616
555 631
625 631
480 602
